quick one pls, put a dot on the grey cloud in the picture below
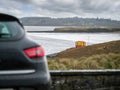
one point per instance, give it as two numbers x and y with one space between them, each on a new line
85 6
56 6
93 8
78 6
25 2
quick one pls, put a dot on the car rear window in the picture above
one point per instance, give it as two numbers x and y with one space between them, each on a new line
10 30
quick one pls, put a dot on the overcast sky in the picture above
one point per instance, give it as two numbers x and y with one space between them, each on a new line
62 8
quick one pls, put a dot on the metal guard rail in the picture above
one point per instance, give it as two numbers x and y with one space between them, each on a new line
84 72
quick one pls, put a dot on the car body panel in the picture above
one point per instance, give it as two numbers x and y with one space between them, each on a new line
16 68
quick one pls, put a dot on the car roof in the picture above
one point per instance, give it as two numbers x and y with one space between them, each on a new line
6 17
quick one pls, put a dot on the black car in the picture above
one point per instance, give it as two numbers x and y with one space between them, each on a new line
22 61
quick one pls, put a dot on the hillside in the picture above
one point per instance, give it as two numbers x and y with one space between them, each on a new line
72 21
103 48
99 56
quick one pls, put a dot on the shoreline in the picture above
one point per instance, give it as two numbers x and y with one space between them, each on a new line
73 31
86 29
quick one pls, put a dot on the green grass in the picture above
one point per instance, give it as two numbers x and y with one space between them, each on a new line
102 61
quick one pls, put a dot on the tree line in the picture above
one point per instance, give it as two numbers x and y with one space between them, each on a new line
73 21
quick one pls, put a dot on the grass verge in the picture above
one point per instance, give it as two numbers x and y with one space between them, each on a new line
102 61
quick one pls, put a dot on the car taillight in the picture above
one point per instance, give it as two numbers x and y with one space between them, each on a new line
34 52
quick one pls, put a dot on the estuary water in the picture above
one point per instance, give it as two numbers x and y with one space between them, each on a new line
57 42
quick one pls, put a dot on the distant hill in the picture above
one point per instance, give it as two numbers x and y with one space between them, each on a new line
75 21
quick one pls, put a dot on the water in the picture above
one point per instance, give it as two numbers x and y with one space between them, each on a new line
56 42
41 28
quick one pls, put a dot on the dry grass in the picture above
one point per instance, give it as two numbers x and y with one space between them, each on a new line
102 48
99 56
102 61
